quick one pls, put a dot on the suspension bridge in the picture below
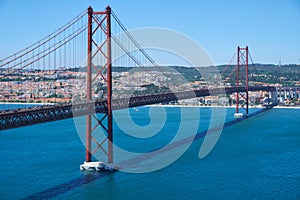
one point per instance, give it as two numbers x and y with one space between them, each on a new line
81 70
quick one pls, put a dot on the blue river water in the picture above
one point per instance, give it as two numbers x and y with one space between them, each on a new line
257 158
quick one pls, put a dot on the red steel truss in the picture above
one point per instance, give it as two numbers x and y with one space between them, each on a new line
242 98
101 24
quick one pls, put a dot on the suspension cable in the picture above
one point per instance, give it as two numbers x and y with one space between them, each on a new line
42 41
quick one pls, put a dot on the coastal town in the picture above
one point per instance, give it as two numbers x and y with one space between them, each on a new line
68 85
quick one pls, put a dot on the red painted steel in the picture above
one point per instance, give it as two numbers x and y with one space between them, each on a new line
108 128
247 81
109 87
242 61
237 79
15 118
89 87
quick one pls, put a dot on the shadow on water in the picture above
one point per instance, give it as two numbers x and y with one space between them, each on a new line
91 177
67 186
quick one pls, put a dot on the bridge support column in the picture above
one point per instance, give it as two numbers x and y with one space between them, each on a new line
88 130
103 48
109 88
242 97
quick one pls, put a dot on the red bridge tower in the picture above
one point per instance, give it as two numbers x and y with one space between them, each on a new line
104 48
242 80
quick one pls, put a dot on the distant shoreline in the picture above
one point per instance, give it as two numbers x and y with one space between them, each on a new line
290 107
160 105
215 106
20 103
189 105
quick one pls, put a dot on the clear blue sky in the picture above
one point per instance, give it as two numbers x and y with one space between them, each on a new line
271 28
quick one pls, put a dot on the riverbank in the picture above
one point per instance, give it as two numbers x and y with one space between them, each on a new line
288 107
20 103
162 105
220 106
198 106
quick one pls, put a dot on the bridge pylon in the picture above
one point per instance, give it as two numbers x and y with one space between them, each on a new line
102 22
242 80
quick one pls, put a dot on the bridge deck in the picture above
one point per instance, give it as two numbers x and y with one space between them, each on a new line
41 114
